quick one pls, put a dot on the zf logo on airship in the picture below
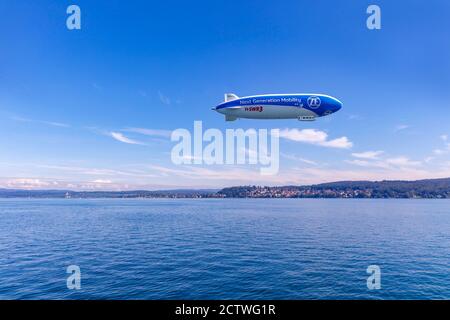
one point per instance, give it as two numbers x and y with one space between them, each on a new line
314 102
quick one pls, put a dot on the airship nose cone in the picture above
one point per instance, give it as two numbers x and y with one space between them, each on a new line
337 105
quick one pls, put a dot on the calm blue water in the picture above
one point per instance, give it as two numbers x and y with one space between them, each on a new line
224 249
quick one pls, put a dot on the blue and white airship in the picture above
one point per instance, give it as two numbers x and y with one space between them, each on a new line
304 107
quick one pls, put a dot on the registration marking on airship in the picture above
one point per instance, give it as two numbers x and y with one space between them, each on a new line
301 106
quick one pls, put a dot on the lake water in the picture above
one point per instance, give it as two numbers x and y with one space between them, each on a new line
224 248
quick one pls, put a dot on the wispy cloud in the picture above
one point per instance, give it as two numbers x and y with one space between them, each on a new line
220 176
142 93
164 99
316 175
295 158
49 123
354 117
368 154
315 137
122 138
397 168
368 164
102 172
389 163
445 149
234 175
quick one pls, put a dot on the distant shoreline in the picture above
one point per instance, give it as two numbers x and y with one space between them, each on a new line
419 189
217 198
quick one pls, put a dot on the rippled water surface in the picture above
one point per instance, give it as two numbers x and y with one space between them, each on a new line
224 248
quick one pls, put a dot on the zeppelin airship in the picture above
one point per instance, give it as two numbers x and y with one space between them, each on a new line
304 107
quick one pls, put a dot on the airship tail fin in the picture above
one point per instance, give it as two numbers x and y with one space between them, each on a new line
230 97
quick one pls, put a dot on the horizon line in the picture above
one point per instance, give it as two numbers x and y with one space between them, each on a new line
220 188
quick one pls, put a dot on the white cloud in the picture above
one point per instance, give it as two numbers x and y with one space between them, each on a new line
368 164
402 162
151 132
316 137
439 152
55 124
58 184
28 183
390 163
102 181
368 154
120 137
341 143
401 127
445 149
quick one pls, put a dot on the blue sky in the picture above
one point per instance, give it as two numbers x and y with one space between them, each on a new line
71 100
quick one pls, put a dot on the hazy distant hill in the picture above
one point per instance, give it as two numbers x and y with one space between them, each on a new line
432 189
181 193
